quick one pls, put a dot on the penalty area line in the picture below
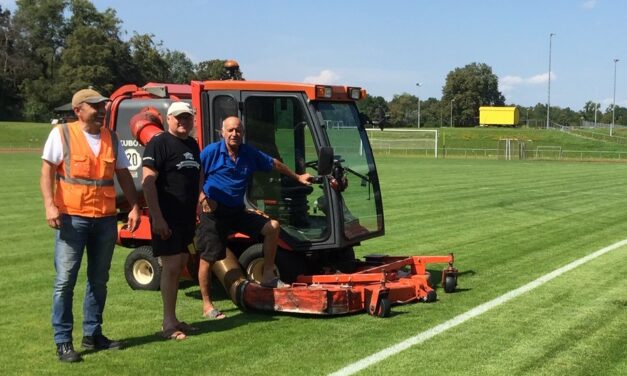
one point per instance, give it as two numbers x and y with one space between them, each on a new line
478 310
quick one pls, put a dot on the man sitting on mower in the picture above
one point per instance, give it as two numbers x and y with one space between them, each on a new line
228 165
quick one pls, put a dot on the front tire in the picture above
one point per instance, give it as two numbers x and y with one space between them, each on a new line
450 284
142 269
251 261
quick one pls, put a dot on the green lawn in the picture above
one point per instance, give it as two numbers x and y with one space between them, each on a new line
490 142
33 135
23 135
508 222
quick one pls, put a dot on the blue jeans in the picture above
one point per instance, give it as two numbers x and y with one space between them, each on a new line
76 234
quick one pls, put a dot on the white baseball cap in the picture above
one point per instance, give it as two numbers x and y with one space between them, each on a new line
177 108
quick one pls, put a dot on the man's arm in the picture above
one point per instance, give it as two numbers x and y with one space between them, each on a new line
128 187
201 192
159 225
304 179
46 184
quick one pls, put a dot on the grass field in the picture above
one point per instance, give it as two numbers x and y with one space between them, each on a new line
507 222
33 135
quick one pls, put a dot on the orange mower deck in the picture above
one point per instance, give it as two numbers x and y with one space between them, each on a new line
379 282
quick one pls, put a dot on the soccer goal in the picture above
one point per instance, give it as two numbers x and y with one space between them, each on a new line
548 151
404 140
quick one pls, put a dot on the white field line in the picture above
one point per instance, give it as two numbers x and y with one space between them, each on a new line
457 320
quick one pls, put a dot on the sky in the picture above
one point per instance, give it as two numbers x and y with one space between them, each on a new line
387 47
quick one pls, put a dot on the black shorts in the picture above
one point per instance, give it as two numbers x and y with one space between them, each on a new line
182 236
214 228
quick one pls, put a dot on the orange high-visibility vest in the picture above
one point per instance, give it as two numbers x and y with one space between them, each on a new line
85 181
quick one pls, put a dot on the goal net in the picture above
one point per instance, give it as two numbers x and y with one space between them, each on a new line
394 140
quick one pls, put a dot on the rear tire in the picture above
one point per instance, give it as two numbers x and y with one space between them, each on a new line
142 269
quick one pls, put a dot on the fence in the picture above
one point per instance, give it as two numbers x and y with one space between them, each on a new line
540 153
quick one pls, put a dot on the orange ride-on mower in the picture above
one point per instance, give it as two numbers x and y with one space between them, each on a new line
311 128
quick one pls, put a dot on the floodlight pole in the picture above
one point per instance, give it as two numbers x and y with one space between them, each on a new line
614 100
419 85
548 105
451 118
596 109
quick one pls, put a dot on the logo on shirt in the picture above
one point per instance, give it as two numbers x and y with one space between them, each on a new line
189 162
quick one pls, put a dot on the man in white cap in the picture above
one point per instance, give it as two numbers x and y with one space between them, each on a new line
80 160
171 182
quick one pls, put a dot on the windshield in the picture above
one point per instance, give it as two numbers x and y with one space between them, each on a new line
350 143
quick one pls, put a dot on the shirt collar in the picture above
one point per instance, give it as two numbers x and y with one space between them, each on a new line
223 149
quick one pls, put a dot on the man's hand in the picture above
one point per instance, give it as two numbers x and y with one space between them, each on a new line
160 226
134 218
46 183
305 179
53 217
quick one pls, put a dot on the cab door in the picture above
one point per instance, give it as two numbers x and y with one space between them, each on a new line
280 125
219 105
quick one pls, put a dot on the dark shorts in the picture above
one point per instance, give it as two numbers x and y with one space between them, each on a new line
214 228
182 237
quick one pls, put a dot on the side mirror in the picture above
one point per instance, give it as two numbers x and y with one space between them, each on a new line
325 161
364 119
380 118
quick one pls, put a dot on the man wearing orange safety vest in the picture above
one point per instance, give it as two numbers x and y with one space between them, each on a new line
80 160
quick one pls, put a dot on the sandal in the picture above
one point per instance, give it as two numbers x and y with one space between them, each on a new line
185 327
214 314
174 334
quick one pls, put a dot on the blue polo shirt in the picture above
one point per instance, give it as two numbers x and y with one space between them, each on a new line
226 180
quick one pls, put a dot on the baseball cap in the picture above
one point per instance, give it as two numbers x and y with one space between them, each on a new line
87 96
178 108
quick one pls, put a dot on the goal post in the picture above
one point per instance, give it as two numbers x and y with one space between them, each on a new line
398 139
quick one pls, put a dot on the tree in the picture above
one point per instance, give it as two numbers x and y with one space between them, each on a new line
180 67
404 110
149 59
10 100
89 57
39 30
589 110
565 117
471 87
433 114
214 70
620 115
374 107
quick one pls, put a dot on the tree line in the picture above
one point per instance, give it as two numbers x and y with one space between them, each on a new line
465 90
51 48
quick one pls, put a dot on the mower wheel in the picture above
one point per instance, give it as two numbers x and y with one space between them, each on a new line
142 269
385 307
431 297
450 284
251 261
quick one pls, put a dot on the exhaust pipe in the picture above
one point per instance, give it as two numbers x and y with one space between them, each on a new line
231 276
146 124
